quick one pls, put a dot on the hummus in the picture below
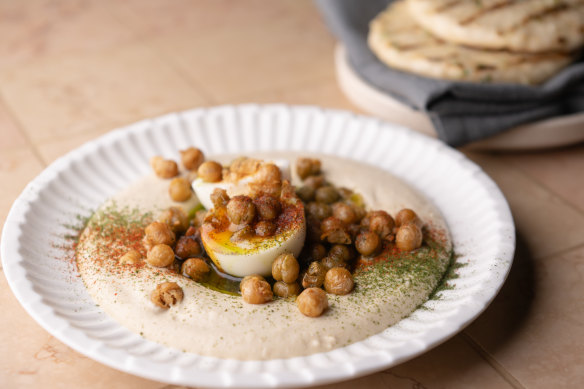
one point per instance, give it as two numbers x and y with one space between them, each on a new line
212 323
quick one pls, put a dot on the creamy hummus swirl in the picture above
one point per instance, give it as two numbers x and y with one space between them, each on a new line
212 323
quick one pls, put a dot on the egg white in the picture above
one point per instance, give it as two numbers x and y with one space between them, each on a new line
254 256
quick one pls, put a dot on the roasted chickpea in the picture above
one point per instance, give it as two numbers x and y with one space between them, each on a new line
405 216
338 236
265 228
326 194
195 268
256 291
192 158
330 262
179 189
287 193
159 233
379 222
317 251
341 251
354 230
244 233
338 281
164 168
176 218
210 171
132 257
314 276
307 167
187 247
345 193
367 243
359 212
315 182
312 302
273 188
160 255
313 231
199 218
269 173
283 289
219 197
306 193
242 166
167 294
408 237
330 224
344 212
319 210
267 207
247 278
334 231
241 210
285 268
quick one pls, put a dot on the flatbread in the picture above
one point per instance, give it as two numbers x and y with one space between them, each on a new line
398 41
517 25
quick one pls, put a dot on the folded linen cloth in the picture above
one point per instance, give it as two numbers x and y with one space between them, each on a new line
461 112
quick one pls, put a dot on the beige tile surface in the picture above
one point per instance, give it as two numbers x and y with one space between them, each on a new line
560 170
71 94
451 365
535 327
283 52
11 135
56 147
38 360
151 17
71 70
35 29
323 92
544 220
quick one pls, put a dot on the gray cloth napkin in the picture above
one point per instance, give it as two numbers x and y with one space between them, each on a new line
461 112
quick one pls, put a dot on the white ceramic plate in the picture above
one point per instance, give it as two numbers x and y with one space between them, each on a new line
547 133
51 291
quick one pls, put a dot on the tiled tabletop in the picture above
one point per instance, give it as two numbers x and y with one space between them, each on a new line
72 70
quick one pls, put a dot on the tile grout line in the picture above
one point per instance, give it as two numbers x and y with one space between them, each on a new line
199 89
22 130
563 202
548 189
306 83
504 373
561 252
203 91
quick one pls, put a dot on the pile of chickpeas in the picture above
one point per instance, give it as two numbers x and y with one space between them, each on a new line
256 214
339 231
193 160
173 237
171 241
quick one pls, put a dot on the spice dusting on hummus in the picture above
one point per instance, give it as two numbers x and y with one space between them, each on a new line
353 274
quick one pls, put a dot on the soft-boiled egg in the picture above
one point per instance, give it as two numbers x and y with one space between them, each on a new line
237 249
254 255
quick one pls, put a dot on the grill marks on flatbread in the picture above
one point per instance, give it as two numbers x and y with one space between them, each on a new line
519 25
541 15
483 11
400 42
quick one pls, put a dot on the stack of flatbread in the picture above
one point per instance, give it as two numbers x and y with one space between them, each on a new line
505 41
